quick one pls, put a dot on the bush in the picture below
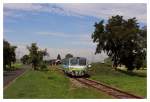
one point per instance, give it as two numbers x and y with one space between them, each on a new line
44 67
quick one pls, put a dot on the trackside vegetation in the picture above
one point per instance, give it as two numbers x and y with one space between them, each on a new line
135 82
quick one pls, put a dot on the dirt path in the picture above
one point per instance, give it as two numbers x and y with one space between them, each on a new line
9 76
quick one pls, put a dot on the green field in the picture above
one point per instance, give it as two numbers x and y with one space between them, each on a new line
48 84
135 82
54 84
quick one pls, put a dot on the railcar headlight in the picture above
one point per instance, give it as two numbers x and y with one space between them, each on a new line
89 66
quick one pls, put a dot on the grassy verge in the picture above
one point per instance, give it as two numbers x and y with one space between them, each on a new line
132 83
48 84
17 65
14 66
135 72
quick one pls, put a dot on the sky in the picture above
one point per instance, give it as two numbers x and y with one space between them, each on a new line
63 28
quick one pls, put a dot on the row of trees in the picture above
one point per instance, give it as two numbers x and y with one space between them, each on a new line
9 55
35 57
123 41
66 56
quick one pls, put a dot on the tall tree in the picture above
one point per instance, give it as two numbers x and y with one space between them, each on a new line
122 40
33 53
59 57
36 55
9 54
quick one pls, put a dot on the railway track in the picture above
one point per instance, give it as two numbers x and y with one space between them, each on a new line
107 89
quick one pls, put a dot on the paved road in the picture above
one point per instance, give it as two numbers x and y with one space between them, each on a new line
9 76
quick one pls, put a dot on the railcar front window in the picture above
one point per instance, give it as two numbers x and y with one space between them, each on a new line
82 61
66 62
73 61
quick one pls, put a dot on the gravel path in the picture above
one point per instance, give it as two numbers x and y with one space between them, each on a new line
9 76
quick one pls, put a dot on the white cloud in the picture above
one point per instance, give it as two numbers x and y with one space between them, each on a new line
78 39
11 9
83 39
57 34
21 50
101 10
24 7
107 10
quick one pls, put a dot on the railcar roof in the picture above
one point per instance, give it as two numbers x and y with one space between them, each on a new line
78 57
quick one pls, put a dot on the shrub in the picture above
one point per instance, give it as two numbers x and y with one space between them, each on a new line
43 67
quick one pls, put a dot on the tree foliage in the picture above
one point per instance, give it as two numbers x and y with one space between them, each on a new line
25 59
68 55
123 40
59 57
9 55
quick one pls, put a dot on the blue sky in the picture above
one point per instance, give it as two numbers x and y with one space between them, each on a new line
62 28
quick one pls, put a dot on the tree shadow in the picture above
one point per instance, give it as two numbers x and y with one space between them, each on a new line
132 73
50 78
83 76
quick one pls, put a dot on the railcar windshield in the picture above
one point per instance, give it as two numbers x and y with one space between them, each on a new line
66 61
82 61
78 61
74 61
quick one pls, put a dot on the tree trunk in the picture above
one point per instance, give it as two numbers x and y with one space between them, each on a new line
10 66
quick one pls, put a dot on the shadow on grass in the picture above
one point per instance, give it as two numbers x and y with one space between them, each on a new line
50 78
83 76
132 73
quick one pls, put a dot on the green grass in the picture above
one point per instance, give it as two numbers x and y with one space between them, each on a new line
14 66
142 72
132 83
48 84
17 65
